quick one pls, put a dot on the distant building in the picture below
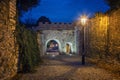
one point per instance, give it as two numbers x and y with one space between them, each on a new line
58 37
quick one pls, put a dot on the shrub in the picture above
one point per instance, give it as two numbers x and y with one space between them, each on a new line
28 49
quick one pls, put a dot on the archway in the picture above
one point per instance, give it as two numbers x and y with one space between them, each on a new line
52 46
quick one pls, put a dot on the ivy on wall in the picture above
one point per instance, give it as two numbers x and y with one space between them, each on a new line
28 49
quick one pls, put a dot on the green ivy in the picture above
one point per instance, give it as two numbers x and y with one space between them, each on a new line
28 49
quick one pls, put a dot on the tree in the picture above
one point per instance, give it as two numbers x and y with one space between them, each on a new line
26 39
114 4
43 19
28 49
25 5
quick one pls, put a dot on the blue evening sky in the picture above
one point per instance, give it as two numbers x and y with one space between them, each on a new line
65 10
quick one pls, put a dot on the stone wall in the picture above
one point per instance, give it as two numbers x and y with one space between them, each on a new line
114 34
104 35
8 53
62 33
98 30
61 37
54 26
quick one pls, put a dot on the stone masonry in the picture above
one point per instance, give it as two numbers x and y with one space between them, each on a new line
104 35
8 53
62 33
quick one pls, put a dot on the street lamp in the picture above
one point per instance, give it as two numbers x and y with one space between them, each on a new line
83 21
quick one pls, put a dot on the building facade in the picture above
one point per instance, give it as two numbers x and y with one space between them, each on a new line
57 37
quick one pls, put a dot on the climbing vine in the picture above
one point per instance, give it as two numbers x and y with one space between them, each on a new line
28 49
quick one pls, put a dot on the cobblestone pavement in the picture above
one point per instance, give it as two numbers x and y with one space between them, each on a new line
67 68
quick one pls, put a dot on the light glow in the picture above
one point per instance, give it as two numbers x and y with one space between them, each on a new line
83 19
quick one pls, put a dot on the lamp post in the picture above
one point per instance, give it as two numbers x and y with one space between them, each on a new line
83 21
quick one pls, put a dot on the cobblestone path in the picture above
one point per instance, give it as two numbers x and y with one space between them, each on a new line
67 68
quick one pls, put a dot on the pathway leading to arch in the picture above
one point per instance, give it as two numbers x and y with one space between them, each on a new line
64 67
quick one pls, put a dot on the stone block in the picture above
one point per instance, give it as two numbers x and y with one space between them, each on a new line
8 60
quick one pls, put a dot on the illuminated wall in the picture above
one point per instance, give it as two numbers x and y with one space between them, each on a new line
104 35
62 33
61 37
8 46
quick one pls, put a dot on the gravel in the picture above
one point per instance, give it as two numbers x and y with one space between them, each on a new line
67 67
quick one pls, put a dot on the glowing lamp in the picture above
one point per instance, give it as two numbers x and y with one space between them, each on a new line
83 19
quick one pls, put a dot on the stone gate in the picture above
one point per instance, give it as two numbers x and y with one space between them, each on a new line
64 34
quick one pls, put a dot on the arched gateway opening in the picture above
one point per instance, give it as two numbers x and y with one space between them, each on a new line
68 49
52 47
